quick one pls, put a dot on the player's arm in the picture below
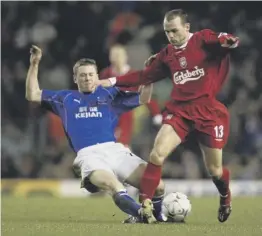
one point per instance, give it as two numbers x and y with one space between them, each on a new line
145 93
155 111
49 99
104 74
127 100
156 71
224 39
33 92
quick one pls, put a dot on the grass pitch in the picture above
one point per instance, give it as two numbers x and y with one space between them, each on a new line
98 216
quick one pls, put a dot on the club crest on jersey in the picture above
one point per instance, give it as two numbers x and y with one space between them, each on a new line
183 62
101 100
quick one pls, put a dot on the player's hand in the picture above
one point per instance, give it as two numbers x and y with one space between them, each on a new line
36 54
140 88
150 60
104 83
229 40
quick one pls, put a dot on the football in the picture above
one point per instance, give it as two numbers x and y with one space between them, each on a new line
176 207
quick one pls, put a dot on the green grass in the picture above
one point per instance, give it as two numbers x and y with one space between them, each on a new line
94 216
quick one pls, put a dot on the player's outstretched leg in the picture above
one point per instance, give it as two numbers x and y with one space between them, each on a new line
134 178
128 205
166 140
106 180
150 181
220 177
157 201
145 215
157 204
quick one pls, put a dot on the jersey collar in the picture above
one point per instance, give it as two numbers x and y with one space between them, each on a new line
185 44
97 87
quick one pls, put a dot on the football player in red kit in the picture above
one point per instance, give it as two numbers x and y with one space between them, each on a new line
119 66
198 64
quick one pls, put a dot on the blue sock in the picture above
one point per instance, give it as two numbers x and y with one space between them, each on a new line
126 203
157 203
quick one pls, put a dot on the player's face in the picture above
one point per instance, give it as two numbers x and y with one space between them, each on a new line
176 31
86 78
118 56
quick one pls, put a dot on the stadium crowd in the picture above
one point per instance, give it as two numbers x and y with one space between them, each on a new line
33 142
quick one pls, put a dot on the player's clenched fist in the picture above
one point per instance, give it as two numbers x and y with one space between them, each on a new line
36 54
229 41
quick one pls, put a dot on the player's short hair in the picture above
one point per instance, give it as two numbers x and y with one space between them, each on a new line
170 15
84 62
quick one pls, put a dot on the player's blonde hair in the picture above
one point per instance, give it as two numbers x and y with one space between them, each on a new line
83 62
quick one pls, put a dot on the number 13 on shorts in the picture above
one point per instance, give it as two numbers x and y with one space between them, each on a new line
219 132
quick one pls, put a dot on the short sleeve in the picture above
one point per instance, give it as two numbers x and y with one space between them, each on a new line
53 100
126 101
113 92
156 71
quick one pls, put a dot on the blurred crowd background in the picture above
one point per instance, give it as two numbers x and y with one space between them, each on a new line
33 143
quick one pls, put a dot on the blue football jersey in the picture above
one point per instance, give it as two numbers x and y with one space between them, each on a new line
89 118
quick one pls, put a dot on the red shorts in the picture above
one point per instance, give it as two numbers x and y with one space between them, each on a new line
208 118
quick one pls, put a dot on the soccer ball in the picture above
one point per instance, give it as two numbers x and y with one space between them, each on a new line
175 207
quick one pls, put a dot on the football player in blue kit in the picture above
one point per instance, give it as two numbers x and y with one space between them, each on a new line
89 116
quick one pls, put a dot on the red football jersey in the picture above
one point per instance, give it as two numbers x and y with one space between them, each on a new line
197 69
125 123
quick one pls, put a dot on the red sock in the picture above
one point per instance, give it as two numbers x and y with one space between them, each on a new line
222 183
226 175
150 181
